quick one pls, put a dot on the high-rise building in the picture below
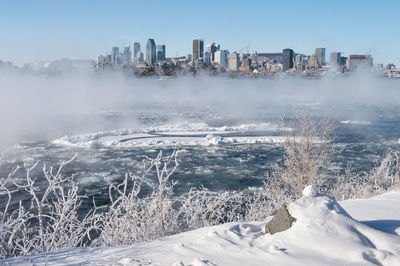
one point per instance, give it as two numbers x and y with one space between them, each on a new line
126 58
161 52
320 54
114 53
207 57
134 50
343 60
287 59
335 58
139 57
151 53
221 57
101 61
212 48
233 62
198 49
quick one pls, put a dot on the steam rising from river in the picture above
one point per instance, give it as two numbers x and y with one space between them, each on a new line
37 107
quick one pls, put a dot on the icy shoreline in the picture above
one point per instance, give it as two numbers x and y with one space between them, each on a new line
325 233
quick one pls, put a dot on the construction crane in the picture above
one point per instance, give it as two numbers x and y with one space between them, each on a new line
247 47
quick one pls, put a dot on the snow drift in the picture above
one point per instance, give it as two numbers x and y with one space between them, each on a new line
323 234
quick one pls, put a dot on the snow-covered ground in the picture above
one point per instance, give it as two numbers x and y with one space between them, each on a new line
356 232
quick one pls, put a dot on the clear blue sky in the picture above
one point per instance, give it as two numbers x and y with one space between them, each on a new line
49 29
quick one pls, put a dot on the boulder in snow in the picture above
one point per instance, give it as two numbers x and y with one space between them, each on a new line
282 221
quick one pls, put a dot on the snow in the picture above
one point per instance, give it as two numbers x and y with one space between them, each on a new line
174 134
356 122
324 234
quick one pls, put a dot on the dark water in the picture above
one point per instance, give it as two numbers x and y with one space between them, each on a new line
359 144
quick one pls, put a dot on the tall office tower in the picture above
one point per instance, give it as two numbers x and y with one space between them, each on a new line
161 52
335 58
320 54
287 59
139 57
127 55
207 57
101 61
151 53
343 60
221 57
212 48
114 52
135 49
233 61
109 59
198 49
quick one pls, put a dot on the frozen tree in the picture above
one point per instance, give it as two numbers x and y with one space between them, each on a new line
306 154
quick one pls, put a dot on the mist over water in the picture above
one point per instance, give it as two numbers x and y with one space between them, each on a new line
36 107
226 130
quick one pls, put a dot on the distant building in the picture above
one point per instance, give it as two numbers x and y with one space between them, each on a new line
118 59
276 58
109 59
335 58
320 54
126 58
287 59
312 63
207 57
212 48
140 57
359 61
221 57
343 60
233 62
135 49
198 49
253 57
161 54
101 61
114 53
151 53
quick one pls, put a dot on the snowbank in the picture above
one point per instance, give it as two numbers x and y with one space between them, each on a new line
323 234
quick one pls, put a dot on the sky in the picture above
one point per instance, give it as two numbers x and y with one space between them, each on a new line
33 30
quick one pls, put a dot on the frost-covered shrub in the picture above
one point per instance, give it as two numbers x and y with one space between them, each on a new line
306 153
382 178
51 220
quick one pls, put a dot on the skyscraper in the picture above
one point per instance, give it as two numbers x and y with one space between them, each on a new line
233 62
127 55
135 49
114 53
212 48
335 58
287 59
320 54
198 49
151 54
221 57
161 52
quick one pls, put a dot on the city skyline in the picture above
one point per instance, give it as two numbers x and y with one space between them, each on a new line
47 30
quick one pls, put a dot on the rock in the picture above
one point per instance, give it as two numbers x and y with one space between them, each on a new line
282 221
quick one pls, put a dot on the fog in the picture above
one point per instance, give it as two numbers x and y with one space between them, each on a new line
41 108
